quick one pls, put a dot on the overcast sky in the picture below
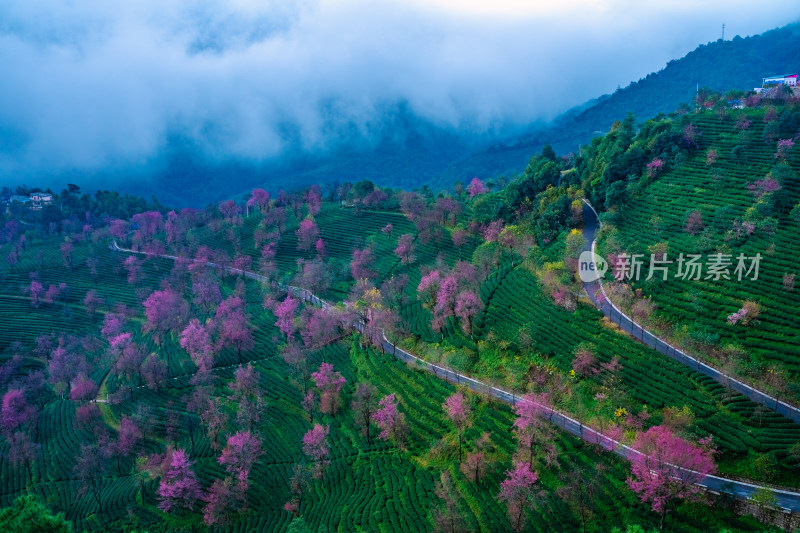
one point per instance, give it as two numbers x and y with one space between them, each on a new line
87 84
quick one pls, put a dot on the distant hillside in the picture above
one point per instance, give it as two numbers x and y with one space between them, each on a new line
400 150
738 64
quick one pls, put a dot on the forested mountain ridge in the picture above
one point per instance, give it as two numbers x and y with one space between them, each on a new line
735 65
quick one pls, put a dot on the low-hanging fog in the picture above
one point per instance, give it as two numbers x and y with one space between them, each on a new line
95 84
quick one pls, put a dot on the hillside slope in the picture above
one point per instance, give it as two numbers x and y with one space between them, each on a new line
733 196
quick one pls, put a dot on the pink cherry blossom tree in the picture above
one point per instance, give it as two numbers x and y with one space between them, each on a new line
233 329
585 362
764 186
390 420
477 462
259 198
476 187
55 292
89 416
460 237
307 234
446 211
298 485
428 288
205 291
241 452
285 312
313 200
91 302
322 249
229 210
196 340
118 229
360 266
16 411
165 310
155 372
66 254
90 469
322 326
83 389
668 468
784 146
112 325
129 439
492 231
329 382
179 488
517 492
315 446
405 249
131 357
245 383
448 516
147 225
219 501
468 305
22 451
35 290
309 404
690 135
655 167
458 411
694 223
133 266
445 301
530 427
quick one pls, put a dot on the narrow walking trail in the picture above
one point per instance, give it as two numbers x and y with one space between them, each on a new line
787 500
597 295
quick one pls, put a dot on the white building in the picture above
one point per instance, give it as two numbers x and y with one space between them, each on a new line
40 199
784 79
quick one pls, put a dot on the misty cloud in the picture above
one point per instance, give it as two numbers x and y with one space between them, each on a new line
90 85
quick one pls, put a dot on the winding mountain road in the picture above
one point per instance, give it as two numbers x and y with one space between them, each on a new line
787 500
627 324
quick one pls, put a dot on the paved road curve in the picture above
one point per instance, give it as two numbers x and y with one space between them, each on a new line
598 296
786 499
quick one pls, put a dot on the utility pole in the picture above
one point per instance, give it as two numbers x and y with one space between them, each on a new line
723 31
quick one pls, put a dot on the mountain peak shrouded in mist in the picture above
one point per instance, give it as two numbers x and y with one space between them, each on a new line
91 89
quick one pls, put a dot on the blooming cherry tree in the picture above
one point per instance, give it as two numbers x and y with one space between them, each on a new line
315 446
428 287
179 488
241 452
458 411
516 491
16 412
35 290
668 468
165 310
307 234
360 266
389 420
476 187
285 312
405 249
258 198
468 305
329 382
